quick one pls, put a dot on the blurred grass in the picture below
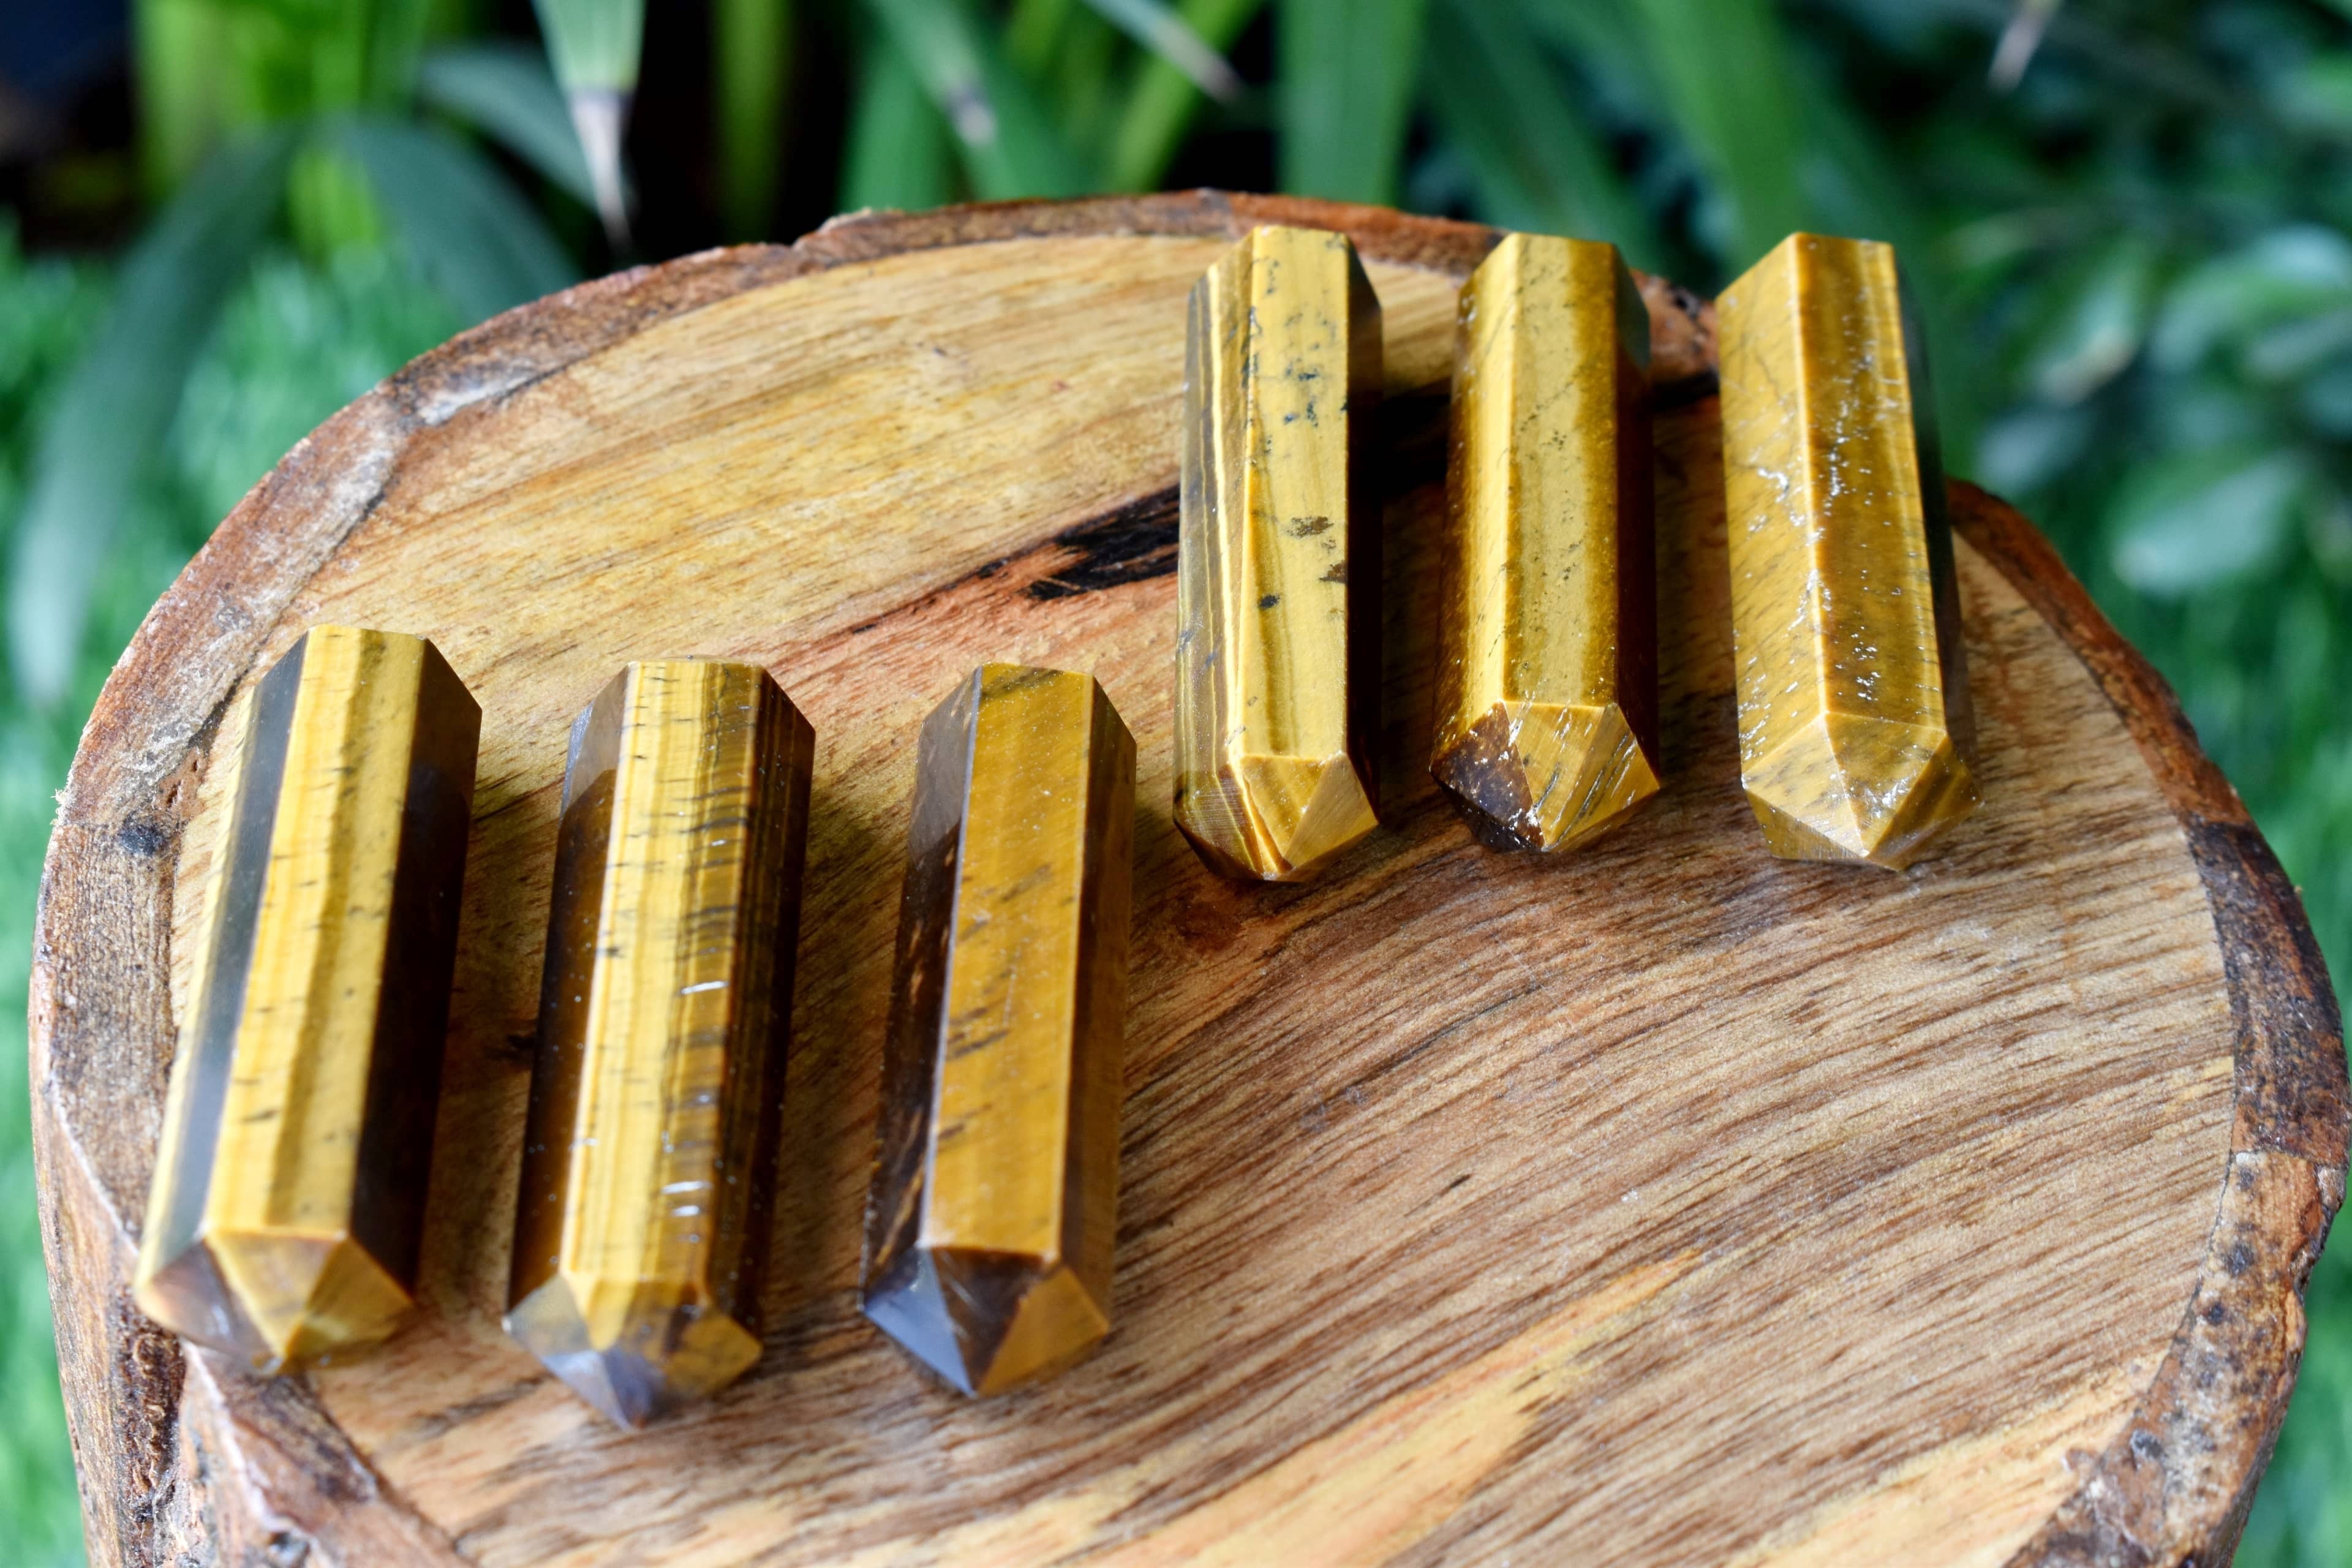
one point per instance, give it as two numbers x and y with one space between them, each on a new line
2134 263
47 309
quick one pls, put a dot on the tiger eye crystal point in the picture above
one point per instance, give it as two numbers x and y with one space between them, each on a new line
632 1351
1545 776
1278 558
1854 723
288 1207
650 1149
1546 678
992 1216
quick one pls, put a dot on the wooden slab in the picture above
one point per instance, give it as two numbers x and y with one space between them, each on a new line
1665 1203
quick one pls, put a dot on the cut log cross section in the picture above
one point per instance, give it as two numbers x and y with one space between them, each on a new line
1665 1196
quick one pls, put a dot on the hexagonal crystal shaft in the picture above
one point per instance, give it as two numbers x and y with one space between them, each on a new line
1853 708
288 1199
650 1154
1547 676
990 1223
1277 665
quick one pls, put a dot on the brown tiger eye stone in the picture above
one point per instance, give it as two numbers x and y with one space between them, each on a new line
1278 558
993 1207
650 1155
1854 723
1547 676
288 1199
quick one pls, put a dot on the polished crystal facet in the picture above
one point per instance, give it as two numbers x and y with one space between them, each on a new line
289 1189
990 1223
1547 676
1277 665
649 1159
1854 708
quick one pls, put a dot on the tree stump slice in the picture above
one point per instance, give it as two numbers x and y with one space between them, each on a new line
1667 1203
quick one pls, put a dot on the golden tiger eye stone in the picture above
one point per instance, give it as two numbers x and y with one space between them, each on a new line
1277 660
993 1211
650 1152
289 1190
1547 675
1853 708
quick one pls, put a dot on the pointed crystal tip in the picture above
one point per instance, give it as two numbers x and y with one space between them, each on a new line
1850 788
1278 819
1545 776
985 1322
634 1351
281 1301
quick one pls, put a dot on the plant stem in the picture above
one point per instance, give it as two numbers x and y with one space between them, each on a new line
752 60
1034 32
1160 107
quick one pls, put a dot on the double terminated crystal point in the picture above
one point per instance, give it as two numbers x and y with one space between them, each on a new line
1546 682
1853 708
1278 558
990 1224
650 1151
283 1221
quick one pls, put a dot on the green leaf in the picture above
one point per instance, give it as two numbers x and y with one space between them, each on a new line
2317 95
2019 42
467 229
394 50
121 397
1170 34
1160 107
898 153
1009 145
1078 90
1605 37
750 61
594 47
507 91
1034 33
1537 165
2290 273
2203 414
2098 332
328 207
2027 449
1726 78
2327 401
1348 69
2197 521
183 88
2296 349
295 342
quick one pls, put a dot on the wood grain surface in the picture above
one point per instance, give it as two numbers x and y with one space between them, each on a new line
1661 1202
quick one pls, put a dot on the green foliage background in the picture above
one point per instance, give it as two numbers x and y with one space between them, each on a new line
2130 237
